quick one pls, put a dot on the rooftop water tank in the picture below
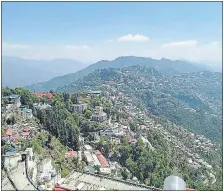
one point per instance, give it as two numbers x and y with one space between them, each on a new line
174 183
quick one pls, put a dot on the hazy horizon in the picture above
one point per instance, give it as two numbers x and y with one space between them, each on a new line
89 32
215 67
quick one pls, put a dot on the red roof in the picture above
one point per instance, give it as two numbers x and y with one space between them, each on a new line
60 188
9 131
26 129
133 141
102 159
49 95
70 154
25 133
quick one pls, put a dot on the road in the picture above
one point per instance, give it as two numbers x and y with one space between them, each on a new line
20 180
18 176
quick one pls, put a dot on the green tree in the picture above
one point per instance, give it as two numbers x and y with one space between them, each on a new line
88 114
97 168
124 174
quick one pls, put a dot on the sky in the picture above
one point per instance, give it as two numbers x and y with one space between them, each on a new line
92 31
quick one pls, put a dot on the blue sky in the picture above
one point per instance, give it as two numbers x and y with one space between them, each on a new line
94 29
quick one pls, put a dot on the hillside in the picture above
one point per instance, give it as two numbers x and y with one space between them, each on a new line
165 66
192 100
17 72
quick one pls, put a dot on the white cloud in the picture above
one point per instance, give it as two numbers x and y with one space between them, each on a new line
133 38
188 43
6 46
76 47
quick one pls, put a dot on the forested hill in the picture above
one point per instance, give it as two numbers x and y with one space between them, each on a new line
193 100
165 66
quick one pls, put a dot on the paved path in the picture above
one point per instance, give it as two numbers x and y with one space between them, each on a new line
20 180
6 184
18 176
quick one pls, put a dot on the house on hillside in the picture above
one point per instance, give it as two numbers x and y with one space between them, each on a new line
41 106
14 99
71 154
99 115
27 113
26 135
95 93
80 107
48 95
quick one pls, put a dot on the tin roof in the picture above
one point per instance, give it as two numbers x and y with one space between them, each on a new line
102 159
71 154
13 96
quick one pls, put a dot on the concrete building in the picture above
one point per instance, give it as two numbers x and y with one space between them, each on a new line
96 161
105 171
27 113
115 131
47 172
80 108
99 115
14 99
88 148
89 158
41 106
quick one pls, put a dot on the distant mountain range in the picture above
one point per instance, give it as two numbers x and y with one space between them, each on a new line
22 72
165 66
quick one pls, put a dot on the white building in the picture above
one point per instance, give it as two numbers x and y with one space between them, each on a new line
41 106
99 115
105 171
88 148
96 161
79 156
14 99
89 158
27 113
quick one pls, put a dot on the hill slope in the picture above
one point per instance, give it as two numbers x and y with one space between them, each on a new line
192 100
21 72
165 66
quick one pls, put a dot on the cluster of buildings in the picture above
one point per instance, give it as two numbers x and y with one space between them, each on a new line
14 133
47 176
14 100
95 158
